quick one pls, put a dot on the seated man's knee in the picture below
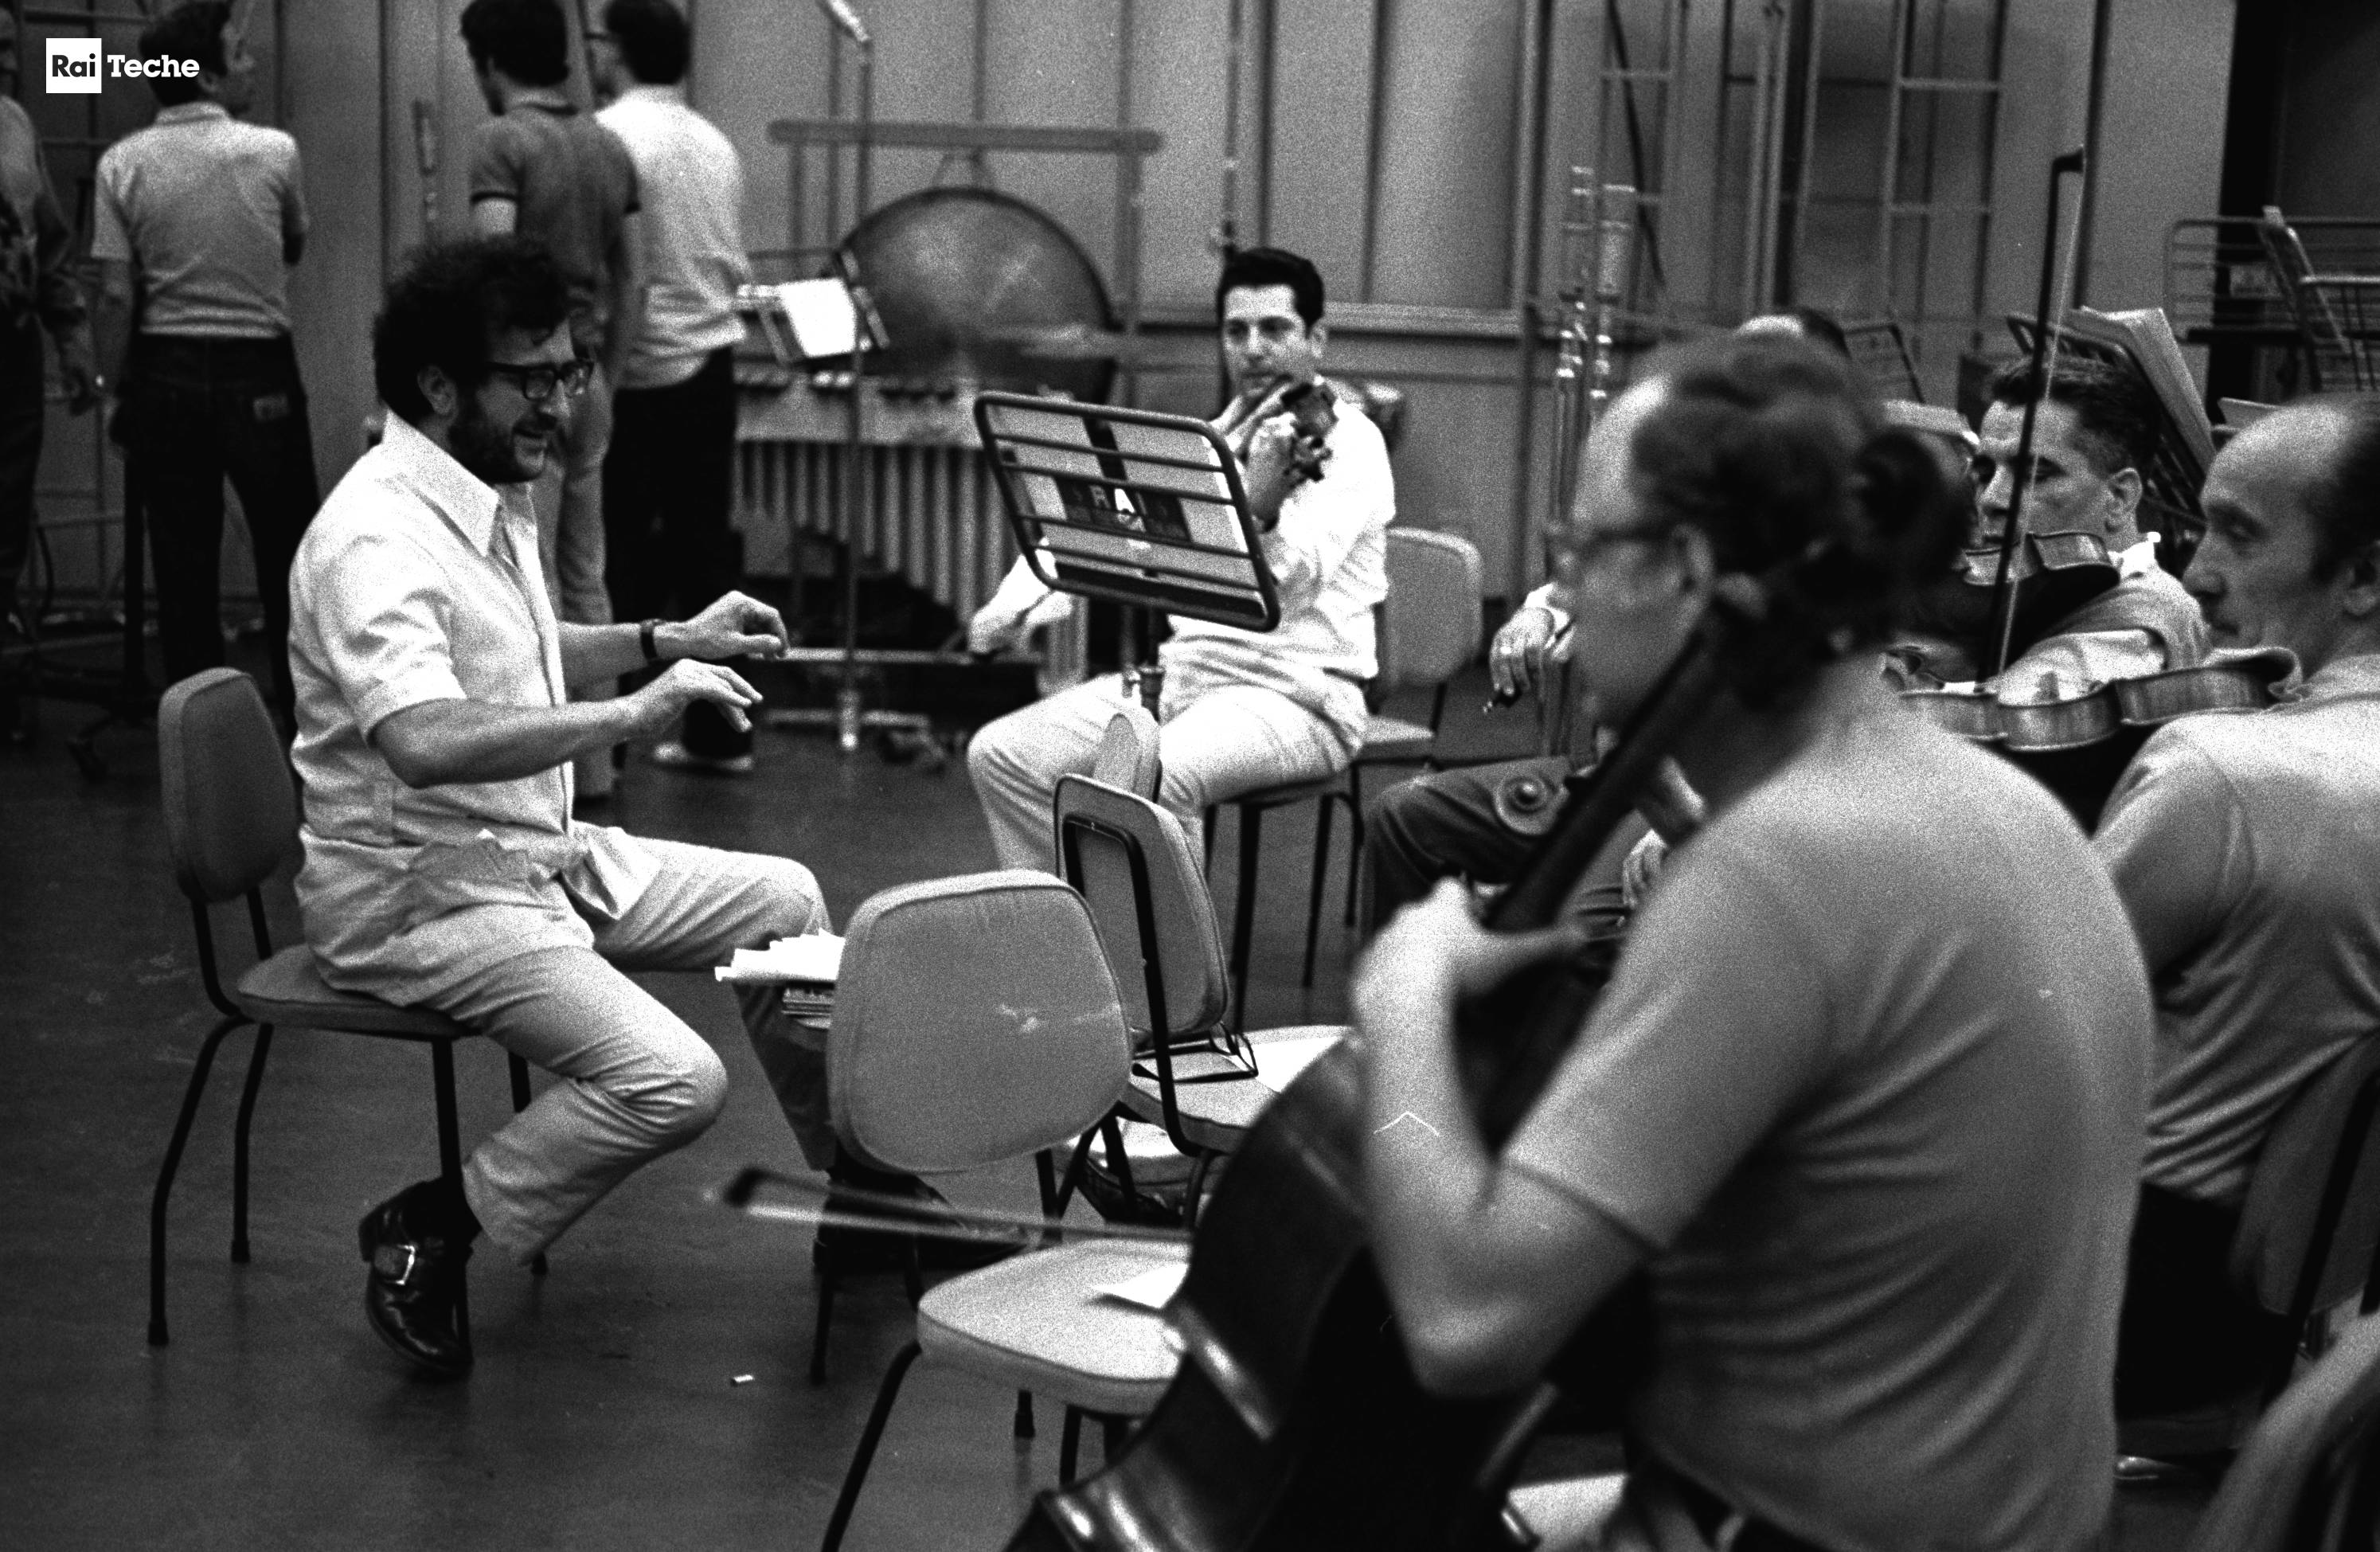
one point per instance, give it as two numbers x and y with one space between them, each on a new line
794 905
692 1097
1395 812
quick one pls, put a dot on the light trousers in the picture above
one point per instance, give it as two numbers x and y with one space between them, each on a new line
1212 746
635 1081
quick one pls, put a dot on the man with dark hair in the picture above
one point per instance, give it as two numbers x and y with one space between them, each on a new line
195 222
1241 709
40 289
2244 853
667 483
443 868
2093 435
541 168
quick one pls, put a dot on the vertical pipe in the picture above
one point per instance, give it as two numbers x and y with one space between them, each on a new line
1888 185
1227 224
1267 39
387 140
1537 100
2098 102
1806 173
1127 211
1983 177
1383 24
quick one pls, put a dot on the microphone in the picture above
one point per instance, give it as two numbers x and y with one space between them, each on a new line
846 20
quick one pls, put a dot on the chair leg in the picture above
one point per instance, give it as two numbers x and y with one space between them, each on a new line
1070 1447
827 1276
1025 1414
165 1191
1208 830
520 1103
1355 837
240 1143
1113 1431
450 1160
1321 871
913 1274
1243 909
864 1455
1190 1192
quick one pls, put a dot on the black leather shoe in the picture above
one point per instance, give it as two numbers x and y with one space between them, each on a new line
411 1294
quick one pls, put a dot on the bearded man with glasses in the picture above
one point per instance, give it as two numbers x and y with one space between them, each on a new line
435 737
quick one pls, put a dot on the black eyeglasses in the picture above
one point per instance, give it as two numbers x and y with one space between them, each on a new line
537 383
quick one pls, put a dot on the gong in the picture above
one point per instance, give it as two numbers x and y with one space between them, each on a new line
974 285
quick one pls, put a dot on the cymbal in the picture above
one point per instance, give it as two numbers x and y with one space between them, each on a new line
1073 342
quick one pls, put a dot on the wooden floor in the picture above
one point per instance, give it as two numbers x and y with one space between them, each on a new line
649 1393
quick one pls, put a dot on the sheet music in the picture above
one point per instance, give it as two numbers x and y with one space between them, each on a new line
821 316
815 957
1152 1289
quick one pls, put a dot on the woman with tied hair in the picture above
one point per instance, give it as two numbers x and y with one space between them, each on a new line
1862 1100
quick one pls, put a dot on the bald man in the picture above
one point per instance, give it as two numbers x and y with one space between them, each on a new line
2245 852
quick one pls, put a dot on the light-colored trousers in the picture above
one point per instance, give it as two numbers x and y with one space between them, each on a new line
1212 745
635 1081
569 499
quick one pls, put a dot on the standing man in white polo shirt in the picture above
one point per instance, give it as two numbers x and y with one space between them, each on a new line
435 737
666 484
197 220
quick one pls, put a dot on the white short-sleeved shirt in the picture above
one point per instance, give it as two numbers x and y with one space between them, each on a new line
691 187
409 587
1868 1084
2247 849
201 206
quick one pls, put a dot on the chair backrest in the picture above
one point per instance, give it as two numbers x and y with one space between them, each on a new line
2285 253
2305 1481
1429 626
1098 829
231 807
2337 1110
975 1020
1128 754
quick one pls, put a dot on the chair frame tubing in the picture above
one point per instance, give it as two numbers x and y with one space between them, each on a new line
2354 1136
442 1059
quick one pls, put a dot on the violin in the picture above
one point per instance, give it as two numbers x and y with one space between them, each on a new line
1313 407
2052 576
1294 1421
2079 746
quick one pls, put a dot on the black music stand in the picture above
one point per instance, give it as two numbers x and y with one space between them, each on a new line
2143 341
1137 508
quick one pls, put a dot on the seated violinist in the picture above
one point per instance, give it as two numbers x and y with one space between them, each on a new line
1862 1101
2244 850
2093 433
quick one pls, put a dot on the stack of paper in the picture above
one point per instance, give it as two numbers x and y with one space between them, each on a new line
816 959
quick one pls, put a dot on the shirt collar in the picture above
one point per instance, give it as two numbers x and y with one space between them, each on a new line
2347 677
465 500
185 113
2139 560
549 99
644 93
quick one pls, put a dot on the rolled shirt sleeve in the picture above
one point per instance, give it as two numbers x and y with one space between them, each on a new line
383 630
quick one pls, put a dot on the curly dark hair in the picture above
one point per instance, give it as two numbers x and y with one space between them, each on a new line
191 30
449 303
1776 451
1272 266
527 39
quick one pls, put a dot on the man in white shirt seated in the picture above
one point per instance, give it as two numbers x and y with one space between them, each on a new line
434 745
1242 710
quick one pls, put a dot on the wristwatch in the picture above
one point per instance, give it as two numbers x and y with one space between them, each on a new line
645 639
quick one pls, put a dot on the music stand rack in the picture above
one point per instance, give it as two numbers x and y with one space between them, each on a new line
1135 508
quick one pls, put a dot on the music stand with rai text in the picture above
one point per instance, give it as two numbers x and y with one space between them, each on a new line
1141 509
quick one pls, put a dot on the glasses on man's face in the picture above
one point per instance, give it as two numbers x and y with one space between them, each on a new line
1580 551
537 382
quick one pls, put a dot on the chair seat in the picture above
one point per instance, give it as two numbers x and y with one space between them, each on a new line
1033 1322
288 991
1394 738
1215 1116
1154 1159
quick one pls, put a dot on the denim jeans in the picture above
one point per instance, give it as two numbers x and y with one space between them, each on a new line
20 449
199 409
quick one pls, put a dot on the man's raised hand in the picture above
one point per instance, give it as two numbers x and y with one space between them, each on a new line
658 704
735 626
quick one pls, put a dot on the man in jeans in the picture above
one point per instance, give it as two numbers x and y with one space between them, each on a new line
542 170
196 223
666 485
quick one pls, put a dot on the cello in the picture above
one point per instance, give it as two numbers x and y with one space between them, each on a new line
1295 1420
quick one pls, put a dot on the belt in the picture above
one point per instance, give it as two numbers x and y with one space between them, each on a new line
1728 1528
